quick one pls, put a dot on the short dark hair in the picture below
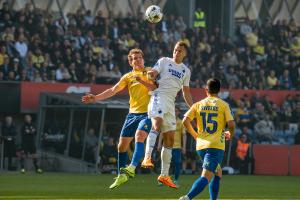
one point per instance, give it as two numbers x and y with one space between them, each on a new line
213 85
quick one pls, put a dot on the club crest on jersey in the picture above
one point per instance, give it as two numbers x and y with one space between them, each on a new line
176 73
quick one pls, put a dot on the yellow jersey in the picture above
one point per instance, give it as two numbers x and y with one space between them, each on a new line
180 131
212 115
138 94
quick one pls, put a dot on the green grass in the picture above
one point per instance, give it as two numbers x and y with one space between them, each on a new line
94 186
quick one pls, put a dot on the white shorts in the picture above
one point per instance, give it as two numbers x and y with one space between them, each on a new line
163 107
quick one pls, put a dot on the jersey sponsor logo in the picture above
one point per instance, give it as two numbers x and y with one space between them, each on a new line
176 73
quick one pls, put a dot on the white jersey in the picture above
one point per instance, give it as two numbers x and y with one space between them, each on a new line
172 77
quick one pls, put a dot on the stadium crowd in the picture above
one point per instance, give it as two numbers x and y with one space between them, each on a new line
40 46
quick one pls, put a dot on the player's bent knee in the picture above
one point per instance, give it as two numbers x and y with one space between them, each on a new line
207 174
140 136
124 144
156 123
219 172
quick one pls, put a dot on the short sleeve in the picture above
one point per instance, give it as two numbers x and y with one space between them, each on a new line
186 81
228 113
159 65
123 81
191 113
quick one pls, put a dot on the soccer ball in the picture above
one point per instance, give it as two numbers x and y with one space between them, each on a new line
153 14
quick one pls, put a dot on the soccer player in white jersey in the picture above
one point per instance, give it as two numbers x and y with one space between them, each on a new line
172 76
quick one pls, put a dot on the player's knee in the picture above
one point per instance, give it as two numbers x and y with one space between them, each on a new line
156 127
219 173
122 147
140 136
156 124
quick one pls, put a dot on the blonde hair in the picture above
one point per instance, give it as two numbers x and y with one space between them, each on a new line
134 51
183 44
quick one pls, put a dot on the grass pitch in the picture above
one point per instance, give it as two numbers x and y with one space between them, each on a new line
95 186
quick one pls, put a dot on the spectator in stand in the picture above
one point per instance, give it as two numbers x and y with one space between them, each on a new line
74 74
22 48
115 72
264 130
231 77
242 115
62 73
3 54
30 71
9 134
285 81
5 68
272 81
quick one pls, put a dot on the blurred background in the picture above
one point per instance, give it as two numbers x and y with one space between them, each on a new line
54 51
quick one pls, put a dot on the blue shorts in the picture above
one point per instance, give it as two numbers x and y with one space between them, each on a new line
211 158
134 122
176 155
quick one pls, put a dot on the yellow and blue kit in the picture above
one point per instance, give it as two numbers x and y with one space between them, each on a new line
137 118
212 115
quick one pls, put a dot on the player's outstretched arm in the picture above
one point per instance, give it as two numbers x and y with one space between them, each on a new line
186 92
187 124
90 98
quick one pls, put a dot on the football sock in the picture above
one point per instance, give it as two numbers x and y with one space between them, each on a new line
138 153
214 186
197 187
122 160
166 156
151 139
177 170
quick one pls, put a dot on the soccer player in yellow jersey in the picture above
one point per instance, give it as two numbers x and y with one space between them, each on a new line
212 114
137 122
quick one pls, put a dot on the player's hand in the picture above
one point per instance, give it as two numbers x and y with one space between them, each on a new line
227 135
150 75
137 78
88 98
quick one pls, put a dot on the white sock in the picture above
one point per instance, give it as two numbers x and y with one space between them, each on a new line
166 156
151 139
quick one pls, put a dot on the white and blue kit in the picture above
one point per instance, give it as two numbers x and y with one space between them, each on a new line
172 77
